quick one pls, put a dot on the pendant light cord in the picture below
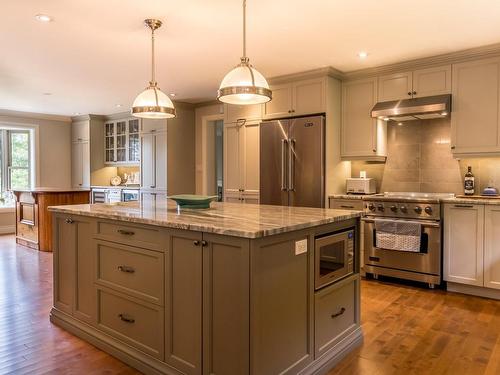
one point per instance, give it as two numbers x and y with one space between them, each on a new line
244 29
153 78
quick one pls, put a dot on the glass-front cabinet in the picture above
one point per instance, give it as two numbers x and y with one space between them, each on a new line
121 141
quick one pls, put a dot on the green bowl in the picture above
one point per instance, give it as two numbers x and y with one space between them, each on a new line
193 201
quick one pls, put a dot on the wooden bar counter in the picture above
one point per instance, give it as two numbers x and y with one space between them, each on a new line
34 221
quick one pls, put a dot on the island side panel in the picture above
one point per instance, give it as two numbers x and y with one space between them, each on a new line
226 318
281 324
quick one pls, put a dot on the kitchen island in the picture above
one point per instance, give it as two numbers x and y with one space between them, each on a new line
227 290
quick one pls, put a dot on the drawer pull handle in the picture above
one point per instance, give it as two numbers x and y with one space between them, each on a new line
464 206
346 206
342 310
125 232
126 319
69 220
126 269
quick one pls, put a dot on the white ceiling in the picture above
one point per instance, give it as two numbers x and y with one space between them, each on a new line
95 54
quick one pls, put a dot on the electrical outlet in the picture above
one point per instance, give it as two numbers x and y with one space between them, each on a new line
300 247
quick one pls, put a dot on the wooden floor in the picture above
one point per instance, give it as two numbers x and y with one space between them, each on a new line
407 330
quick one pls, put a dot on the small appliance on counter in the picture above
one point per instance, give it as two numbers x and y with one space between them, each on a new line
490 192
360 185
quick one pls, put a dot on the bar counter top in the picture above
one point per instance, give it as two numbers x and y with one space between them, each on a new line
233 219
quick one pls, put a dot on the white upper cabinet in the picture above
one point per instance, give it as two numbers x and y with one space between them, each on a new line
304 97
419 83
80 131
463 244
234 113
363 137
395 86
432 81
476 107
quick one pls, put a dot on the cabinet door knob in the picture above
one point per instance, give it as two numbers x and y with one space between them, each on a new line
452 147
126 319
69 221
409 93
341 311
414 93
196 243
374 150
204 243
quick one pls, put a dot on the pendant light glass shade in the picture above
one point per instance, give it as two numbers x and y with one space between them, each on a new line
244 84
152 102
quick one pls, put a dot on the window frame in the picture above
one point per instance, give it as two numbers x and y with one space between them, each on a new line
7 156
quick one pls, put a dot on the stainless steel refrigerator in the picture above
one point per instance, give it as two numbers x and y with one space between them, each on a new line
292 162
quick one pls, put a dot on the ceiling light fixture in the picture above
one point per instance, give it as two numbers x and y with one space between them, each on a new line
152 102
118 106
244 84
173 94
362 54
43 18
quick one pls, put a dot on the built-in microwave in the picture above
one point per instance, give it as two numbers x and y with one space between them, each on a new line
334 257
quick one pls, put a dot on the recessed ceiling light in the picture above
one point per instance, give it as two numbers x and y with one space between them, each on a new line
400 123
77 113
362 54
43 18
118 106
173 94
47 93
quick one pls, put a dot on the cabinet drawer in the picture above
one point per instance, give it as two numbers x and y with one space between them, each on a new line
139 325
337 313
130 234
347 204
131 270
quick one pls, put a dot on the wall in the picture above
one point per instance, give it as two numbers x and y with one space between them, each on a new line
200 112
419 159
485 170
181 145
54 147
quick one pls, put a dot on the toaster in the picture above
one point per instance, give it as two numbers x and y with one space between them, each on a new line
361 186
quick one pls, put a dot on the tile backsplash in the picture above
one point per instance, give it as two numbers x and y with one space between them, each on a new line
418 159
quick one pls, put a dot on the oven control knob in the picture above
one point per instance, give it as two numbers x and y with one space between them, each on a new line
371 207
380 207
428 210
418 209
394 208
403 209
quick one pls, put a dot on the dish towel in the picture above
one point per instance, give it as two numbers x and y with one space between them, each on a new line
398 235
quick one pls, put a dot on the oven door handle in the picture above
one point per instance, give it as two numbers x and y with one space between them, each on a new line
423 223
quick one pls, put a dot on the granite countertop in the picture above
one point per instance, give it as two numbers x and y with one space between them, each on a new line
474 199
233 219
351 196
131 187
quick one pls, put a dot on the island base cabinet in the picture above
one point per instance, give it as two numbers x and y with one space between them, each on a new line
280 325
336 313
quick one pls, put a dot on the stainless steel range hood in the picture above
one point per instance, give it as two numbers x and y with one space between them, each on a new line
424 108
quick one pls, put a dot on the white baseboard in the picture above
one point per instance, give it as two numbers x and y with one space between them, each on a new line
7 229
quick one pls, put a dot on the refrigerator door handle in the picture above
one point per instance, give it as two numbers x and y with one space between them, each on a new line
291 165
283 164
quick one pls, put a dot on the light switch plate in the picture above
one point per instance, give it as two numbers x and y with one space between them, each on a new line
300 247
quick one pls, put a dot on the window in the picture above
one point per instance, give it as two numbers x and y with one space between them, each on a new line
18 168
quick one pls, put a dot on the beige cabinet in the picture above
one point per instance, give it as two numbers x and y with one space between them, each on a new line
121 141
241 162
80 131
419 83
475 118
492 247
154 160
304 97
463 243
362 137
80 164
235 113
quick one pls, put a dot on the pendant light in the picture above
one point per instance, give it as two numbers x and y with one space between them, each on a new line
244 84
152 102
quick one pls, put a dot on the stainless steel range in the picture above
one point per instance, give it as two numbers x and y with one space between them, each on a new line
417 212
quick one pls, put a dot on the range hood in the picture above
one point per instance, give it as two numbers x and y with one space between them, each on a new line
424 108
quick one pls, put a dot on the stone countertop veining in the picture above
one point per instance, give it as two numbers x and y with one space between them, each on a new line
351 196
474 199
232 219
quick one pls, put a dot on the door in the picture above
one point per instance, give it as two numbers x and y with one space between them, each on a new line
359 129
395 87
77 164
160 161
492 247
147 161
281 105
133 140
432 81
273 162
476 107
463 244
109 143
232 185
306 177
85 292
309 96
183 344
250 154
